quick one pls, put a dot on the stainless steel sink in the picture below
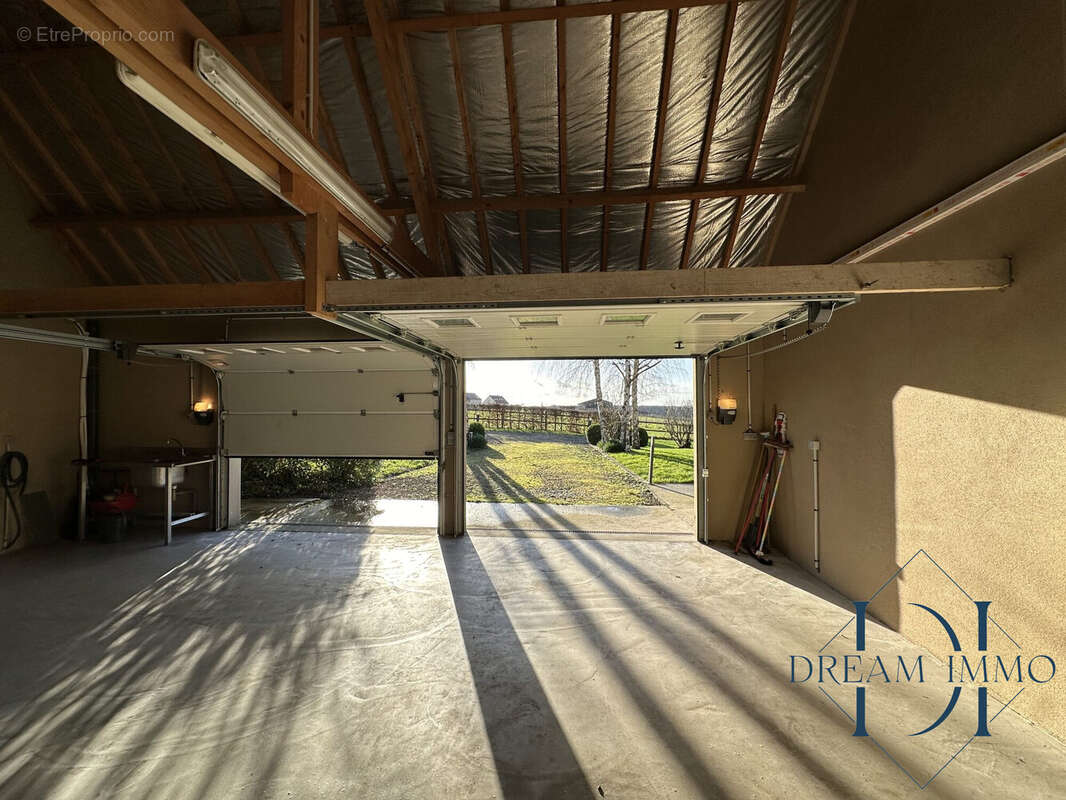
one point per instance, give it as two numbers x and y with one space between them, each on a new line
157 476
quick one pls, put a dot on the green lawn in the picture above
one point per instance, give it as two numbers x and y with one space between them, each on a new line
539 468
391 467
673 464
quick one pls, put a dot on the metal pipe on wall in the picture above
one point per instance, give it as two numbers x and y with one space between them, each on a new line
83 437
815 446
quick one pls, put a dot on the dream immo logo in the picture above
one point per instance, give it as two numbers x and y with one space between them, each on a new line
862 671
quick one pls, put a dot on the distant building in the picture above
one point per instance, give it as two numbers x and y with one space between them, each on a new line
495 400
473 399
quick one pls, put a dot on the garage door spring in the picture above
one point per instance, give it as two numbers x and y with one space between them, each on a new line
13 480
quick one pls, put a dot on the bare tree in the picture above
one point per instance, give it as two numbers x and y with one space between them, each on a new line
678 424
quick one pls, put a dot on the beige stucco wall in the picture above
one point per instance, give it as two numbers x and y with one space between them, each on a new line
39 383
941 417
39 417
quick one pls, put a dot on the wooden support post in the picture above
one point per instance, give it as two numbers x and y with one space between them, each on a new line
451 470
321 261
651 460
299 58
701 448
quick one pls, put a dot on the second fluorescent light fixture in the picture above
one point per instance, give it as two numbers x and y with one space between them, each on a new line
236 90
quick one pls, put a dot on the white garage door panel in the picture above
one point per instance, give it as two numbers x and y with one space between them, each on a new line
322 398
370 436
331 392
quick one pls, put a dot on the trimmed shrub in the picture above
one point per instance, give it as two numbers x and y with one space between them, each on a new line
592 434
476 427
476 441
305 477
612 446
642 438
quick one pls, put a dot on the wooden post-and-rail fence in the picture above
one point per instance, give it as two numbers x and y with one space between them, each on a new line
545 419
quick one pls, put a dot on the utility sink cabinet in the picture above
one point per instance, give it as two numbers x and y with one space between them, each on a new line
165 469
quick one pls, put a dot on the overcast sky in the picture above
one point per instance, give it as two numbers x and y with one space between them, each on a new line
536 383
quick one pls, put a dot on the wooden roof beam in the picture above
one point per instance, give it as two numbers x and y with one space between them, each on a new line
516 143
508 16
165 63
794 282
846 15
608 160
660 127
389 52
760 130
708 130
560 74
470 148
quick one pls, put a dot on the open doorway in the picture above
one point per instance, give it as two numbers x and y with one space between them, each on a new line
339 492
585 445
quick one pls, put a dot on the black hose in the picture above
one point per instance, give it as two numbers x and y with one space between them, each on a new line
12 480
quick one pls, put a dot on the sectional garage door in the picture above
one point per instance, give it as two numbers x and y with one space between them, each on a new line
323 398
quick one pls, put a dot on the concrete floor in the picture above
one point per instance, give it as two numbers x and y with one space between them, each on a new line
266 663
396 513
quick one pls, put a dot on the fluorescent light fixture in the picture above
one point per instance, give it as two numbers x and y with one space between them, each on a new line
625 319
536 321
235 89
139 86
452 322
717 317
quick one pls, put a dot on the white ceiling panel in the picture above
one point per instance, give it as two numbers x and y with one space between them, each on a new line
588 331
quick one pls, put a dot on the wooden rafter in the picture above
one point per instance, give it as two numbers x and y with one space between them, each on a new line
471 149
516 144
69 240
409 82
616 197
85 154
560 74
708 130
171 219
760 129
608 159
660 127
39 55
387 47
255 64
164 63
373 124
219 171
133 167
179 176
299 70
846 15
507 16
60 174
239 215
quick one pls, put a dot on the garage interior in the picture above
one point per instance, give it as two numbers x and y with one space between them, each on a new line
277 227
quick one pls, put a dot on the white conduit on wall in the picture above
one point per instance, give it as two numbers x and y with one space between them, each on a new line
815 446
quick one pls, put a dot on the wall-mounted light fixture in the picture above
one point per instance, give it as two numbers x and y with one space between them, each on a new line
202 413
726 413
